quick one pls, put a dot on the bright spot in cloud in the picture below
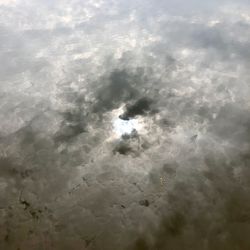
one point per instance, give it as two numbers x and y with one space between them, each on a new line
213 23
122 127
185 52
7 2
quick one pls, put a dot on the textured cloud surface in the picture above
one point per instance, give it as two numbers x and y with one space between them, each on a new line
124 125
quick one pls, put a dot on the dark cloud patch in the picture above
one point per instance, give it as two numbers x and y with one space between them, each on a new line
167 236
129 144
15 175
140 107
125 148
74 117
10 169
73 124
35 156
120 88
132 135
144 203
141 244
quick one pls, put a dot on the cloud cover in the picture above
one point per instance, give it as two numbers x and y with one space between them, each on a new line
181 181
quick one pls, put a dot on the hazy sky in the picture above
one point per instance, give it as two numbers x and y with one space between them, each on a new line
124 125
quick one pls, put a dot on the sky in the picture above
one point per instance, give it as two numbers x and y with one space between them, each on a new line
124 125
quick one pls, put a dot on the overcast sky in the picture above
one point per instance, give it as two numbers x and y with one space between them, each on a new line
124 125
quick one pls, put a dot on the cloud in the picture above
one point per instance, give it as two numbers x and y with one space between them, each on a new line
119 89
70 69
140 107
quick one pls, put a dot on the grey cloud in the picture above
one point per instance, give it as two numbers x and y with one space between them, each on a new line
120 88
73 124
180 180
233 124
200 219
129 145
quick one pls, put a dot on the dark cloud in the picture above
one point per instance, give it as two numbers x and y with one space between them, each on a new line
73 124
140 107
133 134
144 203
120 87
205 214
123 148
129 144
